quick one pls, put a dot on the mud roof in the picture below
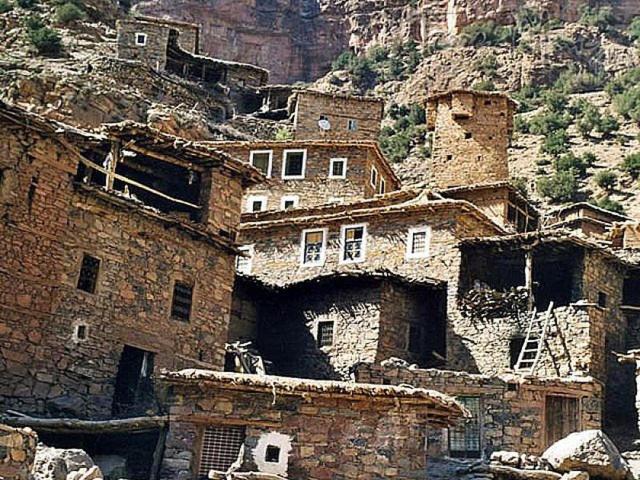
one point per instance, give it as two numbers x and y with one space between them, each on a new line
341 96
617 217
443 410
478 93
161 21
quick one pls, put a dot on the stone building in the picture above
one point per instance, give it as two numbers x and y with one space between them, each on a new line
302 429
118 261
584 217
318 115
307 173
472 131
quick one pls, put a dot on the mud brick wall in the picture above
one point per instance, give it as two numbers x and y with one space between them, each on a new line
512 408
316 188
154 52
330 436
17 452
338 110
492 202
49 224
458 159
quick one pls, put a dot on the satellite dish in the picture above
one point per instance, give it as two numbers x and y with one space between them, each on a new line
324 124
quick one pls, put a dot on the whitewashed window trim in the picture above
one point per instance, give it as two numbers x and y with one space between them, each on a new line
383 186
410 255
289 198
258 152
374 177
343 243
284 164
256 198
332 162
323 250
141 36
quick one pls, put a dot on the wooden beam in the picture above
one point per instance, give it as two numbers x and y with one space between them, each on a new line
74 425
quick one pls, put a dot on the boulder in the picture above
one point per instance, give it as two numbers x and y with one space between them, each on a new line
60 464
590 451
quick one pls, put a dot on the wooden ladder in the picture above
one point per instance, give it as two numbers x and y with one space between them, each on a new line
534 342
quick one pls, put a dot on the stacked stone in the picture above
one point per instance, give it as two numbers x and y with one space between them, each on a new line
17 452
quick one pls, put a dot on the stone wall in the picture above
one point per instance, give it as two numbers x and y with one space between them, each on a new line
512 407
338 110
59 345
316 188
17 452
472 134
325 436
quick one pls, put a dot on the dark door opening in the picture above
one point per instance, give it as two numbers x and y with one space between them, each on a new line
134 384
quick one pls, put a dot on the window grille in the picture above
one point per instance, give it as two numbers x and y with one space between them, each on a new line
88 278
325 334
353 240
464 438
313 244
182 299
338 167
294 164
220 448
419 242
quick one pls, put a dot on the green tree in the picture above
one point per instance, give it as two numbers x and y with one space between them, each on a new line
631 165
571 163
634 29
68 13
556 143
5 6
608 204
28 4
559 188
46 40
607 180
607 126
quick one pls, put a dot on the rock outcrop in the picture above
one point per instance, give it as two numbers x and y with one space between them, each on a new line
60 464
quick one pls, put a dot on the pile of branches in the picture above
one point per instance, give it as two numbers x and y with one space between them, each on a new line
482 303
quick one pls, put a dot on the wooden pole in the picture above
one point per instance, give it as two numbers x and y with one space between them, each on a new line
528 277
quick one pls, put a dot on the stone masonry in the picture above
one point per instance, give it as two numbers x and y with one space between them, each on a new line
17 452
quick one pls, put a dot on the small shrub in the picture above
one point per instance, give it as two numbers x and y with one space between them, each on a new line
487 33
68 13
28 4
571 163
548 122
589 158
608 204
344 61
34 22
559 188
607 126
601 17
484 86
520 124
46 40
407 133
634 30
5 6
556 101
631 165
555 143
283 134
528 98
487 65
607 180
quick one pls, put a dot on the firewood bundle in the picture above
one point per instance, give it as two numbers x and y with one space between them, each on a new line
481 303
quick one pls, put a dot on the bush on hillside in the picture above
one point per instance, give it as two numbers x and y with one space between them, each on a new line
28 4
634 30
599 17
548 122
487 33
485 85
631 165
5 6
46 40
68 13
571 163
556 143
559 188
607 180
608 204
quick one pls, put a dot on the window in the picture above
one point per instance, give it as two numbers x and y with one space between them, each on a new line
418 242
336 199
181 302
313 247
415 339
352 125
272 454
256 203
244 262
141 39
449 157
602 299
289 201
80 332
383 185
464 438
338 168
353 240
293 164
468 135
561 417
263 161
88 278
325 334
374 177
220 448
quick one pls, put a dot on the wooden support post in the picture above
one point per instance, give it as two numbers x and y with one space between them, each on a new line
116 152
528 277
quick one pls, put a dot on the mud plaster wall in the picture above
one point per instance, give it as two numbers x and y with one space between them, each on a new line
513 409
331 436
48 226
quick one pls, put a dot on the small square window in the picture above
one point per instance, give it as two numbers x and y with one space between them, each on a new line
313 247
181 302
487 102
352 125
336 199
88 278
293 164
141 39
602 299
272 454
418 242
338 168
262 160
468 135
449 157
80 332
325 334
257 203
374 177
289 201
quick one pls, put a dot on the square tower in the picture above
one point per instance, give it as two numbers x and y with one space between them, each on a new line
472 132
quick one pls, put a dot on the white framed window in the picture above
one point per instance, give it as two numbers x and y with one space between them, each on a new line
374 177
294 163
289 201
262 160
141 39
418 242
244 262
338 168
383 185
256 203
353 241
352 125
313 247
336 199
